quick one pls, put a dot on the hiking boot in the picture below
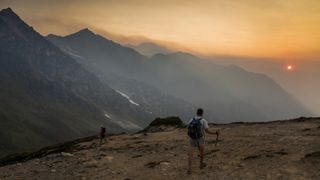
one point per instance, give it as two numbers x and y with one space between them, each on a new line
189 172
203 165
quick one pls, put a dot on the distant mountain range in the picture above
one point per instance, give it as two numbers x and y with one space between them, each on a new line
58 88
303 81
228 93
149 49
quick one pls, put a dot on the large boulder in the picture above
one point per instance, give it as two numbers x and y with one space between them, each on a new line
160 124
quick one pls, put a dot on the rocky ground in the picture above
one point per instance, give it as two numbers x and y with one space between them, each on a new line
277 150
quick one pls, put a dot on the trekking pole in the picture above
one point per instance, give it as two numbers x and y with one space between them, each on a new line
217 138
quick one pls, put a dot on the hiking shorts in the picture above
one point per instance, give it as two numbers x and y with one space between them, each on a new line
196 142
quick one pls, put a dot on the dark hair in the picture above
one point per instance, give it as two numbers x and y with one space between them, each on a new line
200 112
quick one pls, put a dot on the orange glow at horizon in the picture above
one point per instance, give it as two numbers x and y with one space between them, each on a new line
276 28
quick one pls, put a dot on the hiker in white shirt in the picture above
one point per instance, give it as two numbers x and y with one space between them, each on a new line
197 128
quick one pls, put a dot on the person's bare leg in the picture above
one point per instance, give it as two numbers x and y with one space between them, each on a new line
190 158
201 151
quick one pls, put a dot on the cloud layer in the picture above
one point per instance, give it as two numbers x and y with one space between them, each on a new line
277 28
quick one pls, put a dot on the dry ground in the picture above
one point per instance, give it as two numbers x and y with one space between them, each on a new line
278 150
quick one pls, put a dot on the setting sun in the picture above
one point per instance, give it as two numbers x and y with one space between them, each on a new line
289 67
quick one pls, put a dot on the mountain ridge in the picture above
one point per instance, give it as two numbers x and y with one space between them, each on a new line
149 49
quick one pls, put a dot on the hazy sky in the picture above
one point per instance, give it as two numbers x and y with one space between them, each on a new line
283 29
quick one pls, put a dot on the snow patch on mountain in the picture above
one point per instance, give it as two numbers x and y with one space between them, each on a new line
75 55
126 124
107 115
126 96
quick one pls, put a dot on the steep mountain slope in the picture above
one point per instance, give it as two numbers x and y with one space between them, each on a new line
123 69
228 93
149 49
152 100
47 97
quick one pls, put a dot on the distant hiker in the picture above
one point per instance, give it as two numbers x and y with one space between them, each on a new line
102 135
197 127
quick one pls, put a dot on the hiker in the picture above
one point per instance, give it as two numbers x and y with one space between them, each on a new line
102 134
197 127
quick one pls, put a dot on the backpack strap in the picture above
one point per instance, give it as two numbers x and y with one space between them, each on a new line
198 119
194 118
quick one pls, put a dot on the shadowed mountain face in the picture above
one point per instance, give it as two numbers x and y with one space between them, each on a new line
227 93
47 97
149 49
124 70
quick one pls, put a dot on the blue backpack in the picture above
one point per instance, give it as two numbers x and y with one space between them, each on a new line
195 129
